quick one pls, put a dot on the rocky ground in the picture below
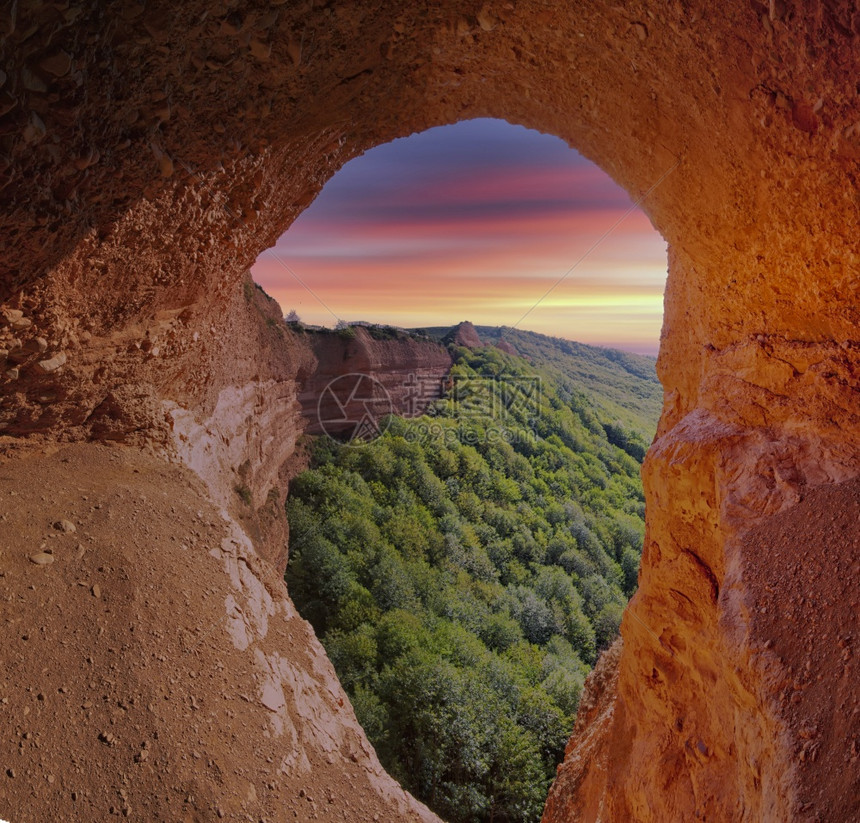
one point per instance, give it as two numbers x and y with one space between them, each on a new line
154 668
802 566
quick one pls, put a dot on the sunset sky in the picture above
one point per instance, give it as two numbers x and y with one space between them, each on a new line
474 221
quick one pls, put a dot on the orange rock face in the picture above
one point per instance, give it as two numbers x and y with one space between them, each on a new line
406 375
149 152
465 334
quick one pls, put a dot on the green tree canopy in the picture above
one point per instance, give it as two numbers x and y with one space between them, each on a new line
464 570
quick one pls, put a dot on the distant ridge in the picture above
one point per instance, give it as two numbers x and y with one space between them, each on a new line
625 385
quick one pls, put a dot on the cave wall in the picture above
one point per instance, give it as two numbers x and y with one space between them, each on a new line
149 152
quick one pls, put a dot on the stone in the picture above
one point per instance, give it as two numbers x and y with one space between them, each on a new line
88 158
21 323
13 374
37 345
58 64
272 696
96 590
35 130
42 558
641 31
32 81
52 364
65 526
486 20
261 50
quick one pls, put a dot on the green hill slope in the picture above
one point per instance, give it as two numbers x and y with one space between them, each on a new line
464 569
621 383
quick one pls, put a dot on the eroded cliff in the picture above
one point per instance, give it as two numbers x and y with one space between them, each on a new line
407 375
146 566
150 151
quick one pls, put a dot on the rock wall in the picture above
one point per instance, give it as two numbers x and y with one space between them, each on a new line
406 376
149 152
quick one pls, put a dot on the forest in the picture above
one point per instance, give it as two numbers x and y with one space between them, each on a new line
465 569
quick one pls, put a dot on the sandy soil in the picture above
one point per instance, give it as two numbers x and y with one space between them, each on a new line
802 568
153 667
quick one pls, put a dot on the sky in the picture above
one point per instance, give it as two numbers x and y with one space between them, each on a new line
475 221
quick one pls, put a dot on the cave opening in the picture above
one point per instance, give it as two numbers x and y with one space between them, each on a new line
433 549
149 156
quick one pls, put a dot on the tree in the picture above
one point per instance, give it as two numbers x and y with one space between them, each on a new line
517 782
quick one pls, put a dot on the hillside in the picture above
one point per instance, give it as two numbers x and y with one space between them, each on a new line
623 385
464 569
